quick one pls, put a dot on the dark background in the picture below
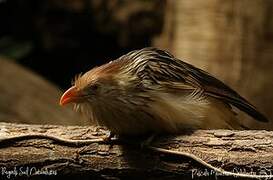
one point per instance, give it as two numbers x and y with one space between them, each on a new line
59 39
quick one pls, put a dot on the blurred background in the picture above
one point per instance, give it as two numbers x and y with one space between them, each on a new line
45 43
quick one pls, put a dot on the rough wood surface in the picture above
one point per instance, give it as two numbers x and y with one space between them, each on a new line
235 151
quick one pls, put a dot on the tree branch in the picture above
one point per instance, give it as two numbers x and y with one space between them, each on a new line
75 150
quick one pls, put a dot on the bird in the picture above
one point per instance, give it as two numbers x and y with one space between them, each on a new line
150 91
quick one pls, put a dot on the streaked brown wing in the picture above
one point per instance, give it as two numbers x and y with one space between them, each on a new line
163 67
218 89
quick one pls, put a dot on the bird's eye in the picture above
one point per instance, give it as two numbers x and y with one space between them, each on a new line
94 87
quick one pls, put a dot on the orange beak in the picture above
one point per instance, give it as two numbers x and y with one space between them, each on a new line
71 95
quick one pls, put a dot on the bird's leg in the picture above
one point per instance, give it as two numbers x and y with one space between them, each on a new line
148 141
108 137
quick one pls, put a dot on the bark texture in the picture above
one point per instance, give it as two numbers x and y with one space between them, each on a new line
235 151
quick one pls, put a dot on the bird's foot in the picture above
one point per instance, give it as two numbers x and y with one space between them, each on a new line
108 137
148 141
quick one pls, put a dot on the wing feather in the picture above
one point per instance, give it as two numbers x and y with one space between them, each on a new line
161 66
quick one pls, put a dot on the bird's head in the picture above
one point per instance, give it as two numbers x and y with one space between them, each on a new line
100 84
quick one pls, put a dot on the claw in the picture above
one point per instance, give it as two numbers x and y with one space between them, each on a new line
108 136
148 141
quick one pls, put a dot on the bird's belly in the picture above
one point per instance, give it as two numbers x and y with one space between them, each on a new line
203 113
133 123
170 116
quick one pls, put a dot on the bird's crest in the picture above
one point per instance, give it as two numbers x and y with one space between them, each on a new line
102 72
